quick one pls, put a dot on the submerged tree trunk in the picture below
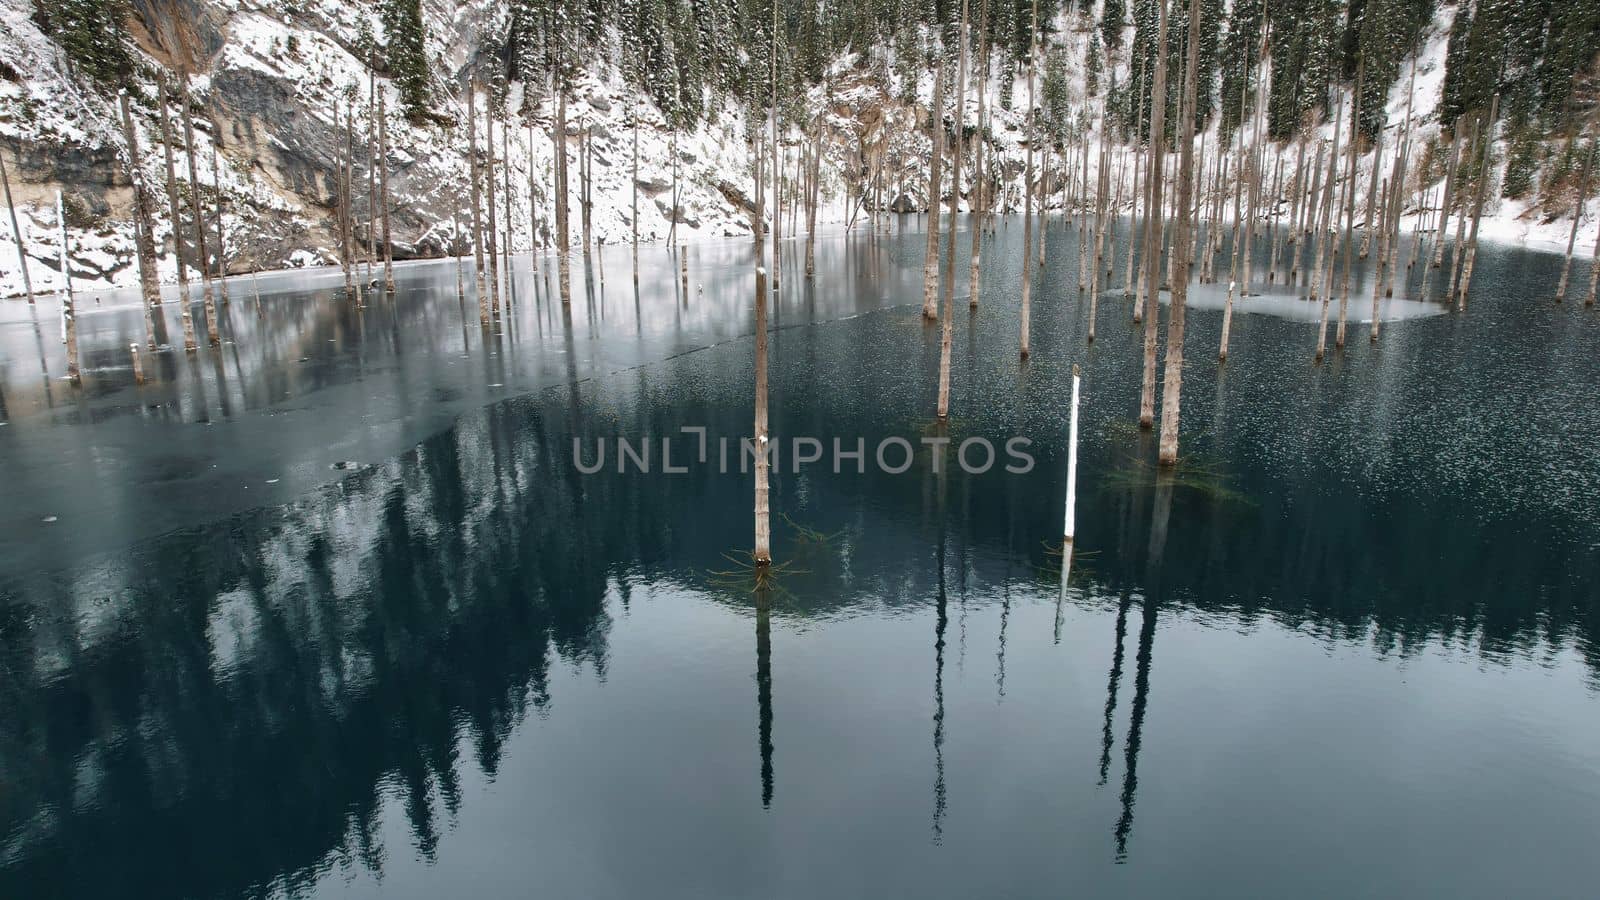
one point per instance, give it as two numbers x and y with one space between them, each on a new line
1027 188
979 207
173 206
763 548
930 259
1594 272
1436 257
69 308
143 233
1572 237
212 337
633 218
222 246
1347 237
1153 226
955 164
482 285
493 239
1477 205
383 192
1323 280
1182 243
559 142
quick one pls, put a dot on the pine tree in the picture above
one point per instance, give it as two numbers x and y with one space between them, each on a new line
93 34
408 57
1112 14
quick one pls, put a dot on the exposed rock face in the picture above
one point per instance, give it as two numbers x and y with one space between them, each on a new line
272 88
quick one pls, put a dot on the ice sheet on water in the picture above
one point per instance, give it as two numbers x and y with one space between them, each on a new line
1290 303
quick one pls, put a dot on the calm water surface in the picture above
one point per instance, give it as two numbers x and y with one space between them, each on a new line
330 612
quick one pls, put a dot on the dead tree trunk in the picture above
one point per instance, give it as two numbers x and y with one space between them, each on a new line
1153 226
1479 196
69 309
173 206
383 192
477 207
1027 187
978 207
763 548
1436 258
222 246
143 233
930 260
1577 216
1182 243
955 163
493 239
1320 288
212 337
1348 236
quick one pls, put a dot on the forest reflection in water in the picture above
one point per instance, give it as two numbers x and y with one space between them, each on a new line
268 690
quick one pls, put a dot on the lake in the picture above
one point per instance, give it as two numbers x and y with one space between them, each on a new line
332 611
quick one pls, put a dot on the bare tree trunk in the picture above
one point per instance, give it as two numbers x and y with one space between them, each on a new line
189 343
1377 277
1349 235
1153 226
1320 220
813 185
383 192
1182 242
477 204
69 306
1471 156
777 163
1572 237
1273 233
559 142
16 232
979 206
1254 187
1477 205
1594 272
143 233
1452 163
930 259
222 246
493 239
344 212
763 549
212 337
585 186
1372 194
1320 287
506 239
955 163
634 217
1027 186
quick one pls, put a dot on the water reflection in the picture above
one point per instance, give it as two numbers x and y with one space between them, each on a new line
263 678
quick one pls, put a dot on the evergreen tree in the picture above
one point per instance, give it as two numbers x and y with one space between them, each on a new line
1240 52
408 57
1112 14
94 35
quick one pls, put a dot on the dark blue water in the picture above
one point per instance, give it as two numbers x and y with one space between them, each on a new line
331 611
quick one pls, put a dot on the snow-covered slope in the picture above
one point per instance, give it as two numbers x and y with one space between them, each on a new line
270 87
